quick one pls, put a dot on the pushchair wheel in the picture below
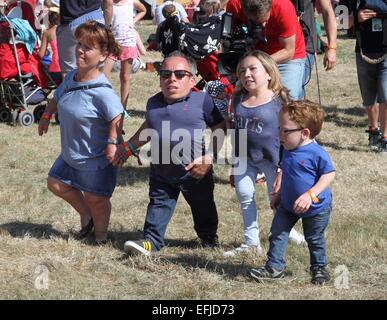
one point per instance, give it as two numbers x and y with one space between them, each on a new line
26 118
5 115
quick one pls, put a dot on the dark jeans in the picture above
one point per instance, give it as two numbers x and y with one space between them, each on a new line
163 195
314 228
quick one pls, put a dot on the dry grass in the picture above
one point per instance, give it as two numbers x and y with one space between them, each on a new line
35 227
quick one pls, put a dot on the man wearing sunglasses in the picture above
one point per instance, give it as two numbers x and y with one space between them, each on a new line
175 116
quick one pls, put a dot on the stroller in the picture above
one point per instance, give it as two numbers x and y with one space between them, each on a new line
23 81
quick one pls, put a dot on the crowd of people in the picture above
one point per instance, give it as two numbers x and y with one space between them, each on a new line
275 126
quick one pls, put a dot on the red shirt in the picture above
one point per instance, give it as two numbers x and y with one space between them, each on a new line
283 23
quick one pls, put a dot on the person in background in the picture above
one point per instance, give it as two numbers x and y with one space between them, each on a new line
125 34
81 10
182 14
371 63
48 47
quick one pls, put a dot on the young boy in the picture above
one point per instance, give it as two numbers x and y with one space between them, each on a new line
307 172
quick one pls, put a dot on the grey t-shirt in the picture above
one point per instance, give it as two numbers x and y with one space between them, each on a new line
261 123
85 117
180 130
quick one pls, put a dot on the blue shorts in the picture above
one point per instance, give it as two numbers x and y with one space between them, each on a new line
372 81
100 182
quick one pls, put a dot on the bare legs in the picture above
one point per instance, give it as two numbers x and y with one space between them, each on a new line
383 118
126 67
88 206
373 115
125 81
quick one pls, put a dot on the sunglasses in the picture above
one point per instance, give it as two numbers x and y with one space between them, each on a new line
179 74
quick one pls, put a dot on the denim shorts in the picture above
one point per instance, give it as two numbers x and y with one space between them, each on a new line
100 182
372 81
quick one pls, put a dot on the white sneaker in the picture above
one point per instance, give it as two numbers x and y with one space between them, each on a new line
296 237
241 249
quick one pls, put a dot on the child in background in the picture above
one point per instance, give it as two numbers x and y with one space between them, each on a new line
48 47
125 34
305 193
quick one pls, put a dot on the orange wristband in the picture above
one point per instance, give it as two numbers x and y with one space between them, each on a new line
46 116
313 196
332 46
128 150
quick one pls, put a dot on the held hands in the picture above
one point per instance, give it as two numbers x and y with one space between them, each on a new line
200 166
116 154
302 204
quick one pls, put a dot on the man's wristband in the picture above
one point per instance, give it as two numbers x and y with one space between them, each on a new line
46 116
332 46
313 196
130 149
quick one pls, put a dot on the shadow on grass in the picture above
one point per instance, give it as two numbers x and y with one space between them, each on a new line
136 113
129 175
338 116
225 269
356 148
40 231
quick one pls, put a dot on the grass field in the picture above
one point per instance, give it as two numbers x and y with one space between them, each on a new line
36 241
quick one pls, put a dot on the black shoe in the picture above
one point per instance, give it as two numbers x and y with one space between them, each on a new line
85 231
209 241
374 137
266 273
320 276
383 146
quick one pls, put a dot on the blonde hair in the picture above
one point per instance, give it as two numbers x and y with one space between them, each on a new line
272 70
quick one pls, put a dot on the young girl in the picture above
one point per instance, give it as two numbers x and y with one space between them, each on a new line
49 45
90 125
125 34
258 99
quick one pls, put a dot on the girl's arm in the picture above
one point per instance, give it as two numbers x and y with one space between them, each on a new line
141 10
304 201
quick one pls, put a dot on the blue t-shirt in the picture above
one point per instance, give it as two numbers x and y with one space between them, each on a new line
301 169
85 117
180 129
261 123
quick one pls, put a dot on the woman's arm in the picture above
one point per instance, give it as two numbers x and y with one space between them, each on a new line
141 10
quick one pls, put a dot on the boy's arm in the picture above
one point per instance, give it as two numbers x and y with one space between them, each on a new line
304 201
